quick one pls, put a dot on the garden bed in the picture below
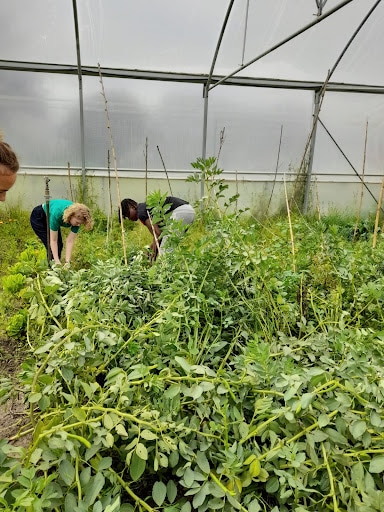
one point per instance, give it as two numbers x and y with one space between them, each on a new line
241 372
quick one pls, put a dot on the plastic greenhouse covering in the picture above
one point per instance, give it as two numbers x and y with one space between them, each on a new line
281 82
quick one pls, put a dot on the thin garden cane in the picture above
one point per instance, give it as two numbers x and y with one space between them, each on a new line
290 226
146 166
276 169
114 165
70 180
379 202
165 169
110 215
362 184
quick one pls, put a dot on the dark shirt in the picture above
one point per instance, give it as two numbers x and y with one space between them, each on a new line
142 213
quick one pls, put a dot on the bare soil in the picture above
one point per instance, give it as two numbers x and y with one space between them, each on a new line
13 414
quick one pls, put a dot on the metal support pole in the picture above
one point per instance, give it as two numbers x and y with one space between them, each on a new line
204 149
316 111
206 92
81 105
47 198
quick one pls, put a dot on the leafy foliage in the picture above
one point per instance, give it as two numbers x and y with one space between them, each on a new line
222 377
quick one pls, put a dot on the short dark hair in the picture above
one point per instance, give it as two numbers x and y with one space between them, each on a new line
125 205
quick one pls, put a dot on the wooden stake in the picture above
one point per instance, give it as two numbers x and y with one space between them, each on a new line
378 214
114 165
70 182
362 184
146 166
276 169
290 227
166 173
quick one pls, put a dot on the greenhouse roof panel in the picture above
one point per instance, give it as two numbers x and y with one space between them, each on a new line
181 36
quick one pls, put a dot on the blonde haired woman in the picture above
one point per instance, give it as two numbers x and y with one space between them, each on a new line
62 213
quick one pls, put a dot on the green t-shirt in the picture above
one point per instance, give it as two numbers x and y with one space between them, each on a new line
56 211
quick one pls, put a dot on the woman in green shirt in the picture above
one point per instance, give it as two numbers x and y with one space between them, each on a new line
62 213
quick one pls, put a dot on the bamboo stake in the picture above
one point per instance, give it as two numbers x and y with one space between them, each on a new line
362 184
237 192
70 182
290 227
162 161
110 214
317 200
109 183
146 166
114 165
276 168
378 214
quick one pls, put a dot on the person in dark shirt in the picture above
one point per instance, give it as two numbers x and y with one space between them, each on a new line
179 210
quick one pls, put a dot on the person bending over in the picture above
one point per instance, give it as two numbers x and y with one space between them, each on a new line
179 210
9 166
62 213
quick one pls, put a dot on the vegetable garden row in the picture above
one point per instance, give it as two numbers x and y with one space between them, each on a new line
233 374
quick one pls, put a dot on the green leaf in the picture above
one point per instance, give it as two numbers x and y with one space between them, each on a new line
183 363
375 419
141 451
67 472
136 467
45 348
172 391
200 496
36 454
120 429
357 428
202 462
93 488
323 420
357 476
34 397
115 506
377 464
159 491
171 491
108 422
187 507
104 463
70 503
148 435
189 477
44 402
272 485
335 436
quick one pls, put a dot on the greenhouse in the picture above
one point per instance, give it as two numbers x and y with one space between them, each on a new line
296 89
191 256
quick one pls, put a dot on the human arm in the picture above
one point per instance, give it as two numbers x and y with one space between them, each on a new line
53 237
69 243
155 232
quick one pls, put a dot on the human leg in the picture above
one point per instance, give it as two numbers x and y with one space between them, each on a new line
38 221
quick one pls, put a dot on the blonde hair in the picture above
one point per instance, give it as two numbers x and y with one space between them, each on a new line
7 156
80 210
